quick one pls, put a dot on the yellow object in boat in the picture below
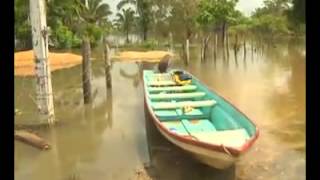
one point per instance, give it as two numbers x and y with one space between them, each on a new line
178 81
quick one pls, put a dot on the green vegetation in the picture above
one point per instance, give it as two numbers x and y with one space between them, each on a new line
70 20
125 21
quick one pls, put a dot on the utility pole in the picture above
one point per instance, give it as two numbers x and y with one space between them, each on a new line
40 48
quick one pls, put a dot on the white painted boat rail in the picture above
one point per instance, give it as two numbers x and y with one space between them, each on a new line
181 104
176 95
172 88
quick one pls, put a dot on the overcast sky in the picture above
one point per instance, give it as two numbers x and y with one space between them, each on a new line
245 6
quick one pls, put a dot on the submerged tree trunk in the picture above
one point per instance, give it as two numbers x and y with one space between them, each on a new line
171 42
31 139
86 71
223 33
145 33
244 49
227 45
215 48
127 35
235 48
252 49
204 48
107 62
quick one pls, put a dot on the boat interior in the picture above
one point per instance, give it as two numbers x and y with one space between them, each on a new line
193 111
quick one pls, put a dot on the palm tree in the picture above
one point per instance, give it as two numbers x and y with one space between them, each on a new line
143 8
93 16
125 21
95 12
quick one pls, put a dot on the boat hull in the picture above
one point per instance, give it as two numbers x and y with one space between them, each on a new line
212 158
212 154
218 160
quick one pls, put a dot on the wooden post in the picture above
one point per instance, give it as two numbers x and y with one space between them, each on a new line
107 61
227 44
171 42
244 49
187 51
215 45
235 48
86 70
42 68
202 50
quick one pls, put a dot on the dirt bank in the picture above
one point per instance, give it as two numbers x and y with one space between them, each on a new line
150 56
24 62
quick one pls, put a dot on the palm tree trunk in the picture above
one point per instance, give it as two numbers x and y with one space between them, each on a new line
86 70
244 49
145 33
227 45
223 33
127 33
107 63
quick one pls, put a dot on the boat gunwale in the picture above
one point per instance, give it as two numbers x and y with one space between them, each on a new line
236 152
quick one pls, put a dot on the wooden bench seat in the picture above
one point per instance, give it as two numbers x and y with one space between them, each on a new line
173 88
181 104
176 95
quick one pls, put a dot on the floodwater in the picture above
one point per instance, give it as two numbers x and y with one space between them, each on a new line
114 137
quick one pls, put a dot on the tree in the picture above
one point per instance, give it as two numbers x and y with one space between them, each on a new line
274 7
143 8
299 10
214 13
125 21
92 19
22 26
296 16
182 22
91 16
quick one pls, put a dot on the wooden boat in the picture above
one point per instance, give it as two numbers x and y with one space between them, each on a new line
198 120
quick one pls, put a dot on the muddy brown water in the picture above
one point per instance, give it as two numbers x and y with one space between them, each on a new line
114 137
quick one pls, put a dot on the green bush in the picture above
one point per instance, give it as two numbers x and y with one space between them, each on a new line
150 44
62 36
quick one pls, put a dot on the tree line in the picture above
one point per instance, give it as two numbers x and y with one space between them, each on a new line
218 20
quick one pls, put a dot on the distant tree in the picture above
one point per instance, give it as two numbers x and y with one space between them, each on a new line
125 21
213 13
297 13
22 27
274 7
92 18
143 9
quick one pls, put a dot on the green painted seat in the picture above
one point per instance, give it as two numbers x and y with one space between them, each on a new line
166 113
201 125
176 95
169 115
161 83
175 126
